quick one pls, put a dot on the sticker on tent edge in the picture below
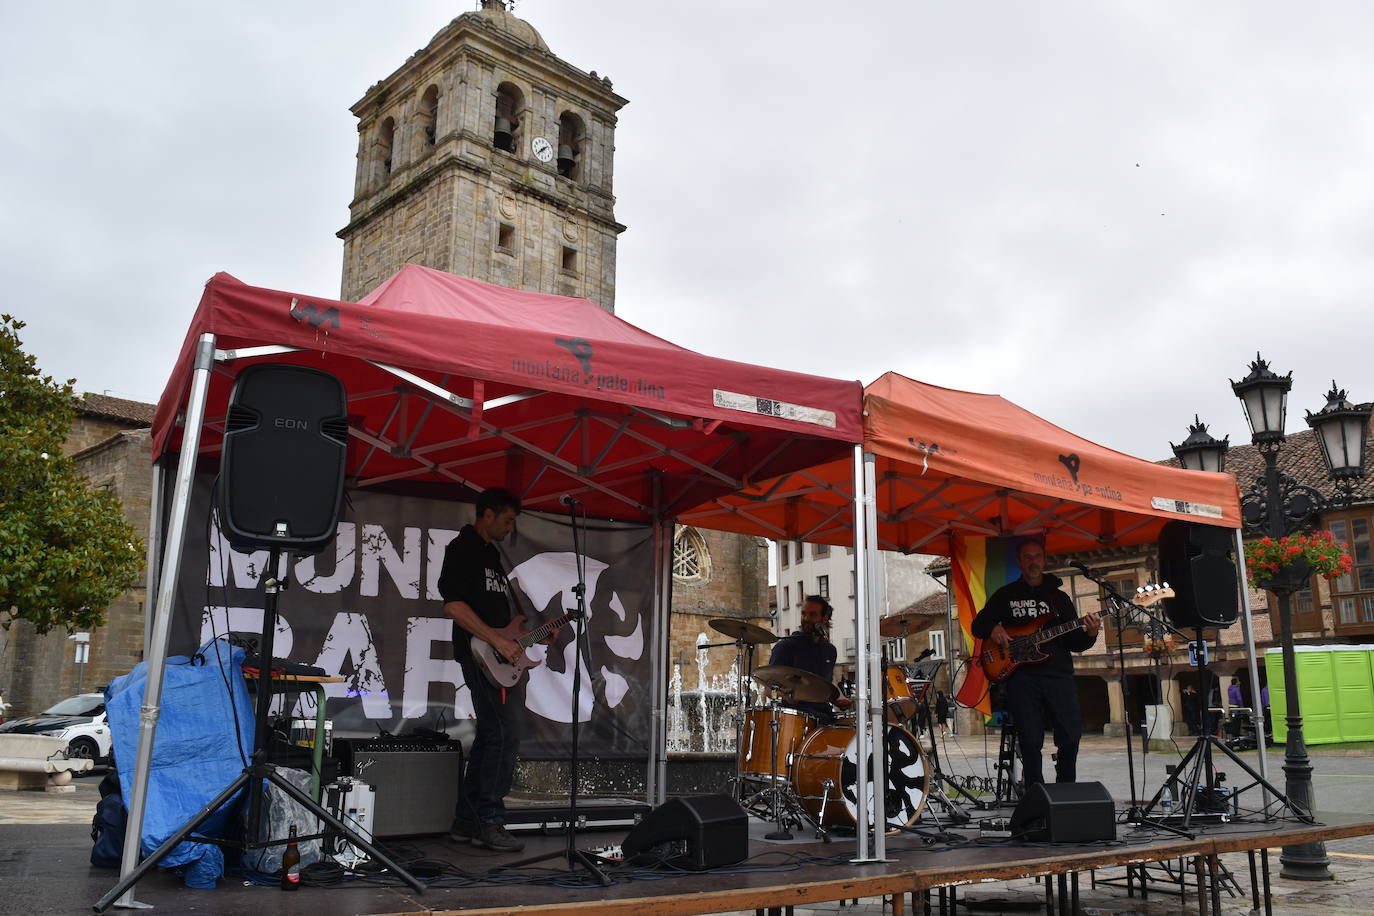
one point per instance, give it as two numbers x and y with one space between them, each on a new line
767 407
1183 507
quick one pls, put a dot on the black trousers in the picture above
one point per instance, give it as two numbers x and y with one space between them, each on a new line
1035 703
491 759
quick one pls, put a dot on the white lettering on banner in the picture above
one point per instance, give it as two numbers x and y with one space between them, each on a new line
349 646
245 568
423 669
543 578
434 560
345 564
403 568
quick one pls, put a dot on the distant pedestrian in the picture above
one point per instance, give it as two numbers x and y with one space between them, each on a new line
942 711
1190 708
1233 694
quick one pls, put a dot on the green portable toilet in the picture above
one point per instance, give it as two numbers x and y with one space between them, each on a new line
1317 681
1354 692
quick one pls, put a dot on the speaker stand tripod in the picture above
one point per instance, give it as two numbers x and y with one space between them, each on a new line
256 773
1188 778
574 857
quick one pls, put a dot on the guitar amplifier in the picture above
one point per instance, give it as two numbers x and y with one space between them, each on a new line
417 785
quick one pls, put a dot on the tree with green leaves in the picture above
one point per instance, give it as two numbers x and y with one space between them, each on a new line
66 550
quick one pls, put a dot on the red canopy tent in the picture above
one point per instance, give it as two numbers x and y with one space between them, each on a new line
454 381
455 386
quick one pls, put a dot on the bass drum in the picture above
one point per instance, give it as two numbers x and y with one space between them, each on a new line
824 776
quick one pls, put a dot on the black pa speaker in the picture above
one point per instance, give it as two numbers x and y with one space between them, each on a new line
285 441
1195 560
695 832
1065 812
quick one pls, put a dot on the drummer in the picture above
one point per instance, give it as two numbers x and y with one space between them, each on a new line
809 649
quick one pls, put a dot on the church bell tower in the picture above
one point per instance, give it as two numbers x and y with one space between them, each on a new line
488 156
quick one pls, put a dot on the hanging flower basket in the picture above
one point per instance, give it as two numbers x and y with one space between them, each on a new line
1159 648
1287 564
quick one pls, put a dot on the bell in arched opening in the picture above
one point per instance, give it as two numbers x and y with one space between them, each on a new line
502 138
567 160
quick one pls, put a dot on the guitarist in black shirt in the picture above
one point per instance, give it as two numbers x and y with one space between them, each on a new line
1040 694
477 596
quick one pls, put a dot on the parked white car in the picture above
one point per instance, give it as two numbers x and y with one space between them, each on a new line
79 719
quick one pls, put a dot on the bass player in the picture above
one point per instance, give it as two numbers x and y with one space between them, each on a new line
1040 694
477 596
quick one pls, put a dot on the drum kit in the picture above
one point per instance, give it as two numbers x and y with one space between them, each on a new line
795 767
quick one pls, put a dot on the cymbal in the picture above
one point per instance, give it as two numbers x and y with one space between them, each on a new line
742 629
796 684
899 625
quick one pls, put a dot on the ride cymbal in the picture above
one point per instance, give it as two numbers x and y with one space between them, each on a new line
742 630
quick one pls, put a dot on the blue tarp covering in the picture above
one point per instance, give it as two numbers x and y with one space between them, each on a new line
197 752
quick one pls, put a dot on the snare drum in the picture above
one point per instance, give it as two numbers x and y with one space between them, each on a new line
755 750
823 776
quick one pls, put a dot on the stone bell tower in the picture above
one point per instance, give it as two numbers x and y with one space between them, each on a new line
486 155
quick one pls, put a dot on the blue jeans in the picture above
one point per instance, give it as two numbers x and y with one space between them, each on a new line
1035 702
490 768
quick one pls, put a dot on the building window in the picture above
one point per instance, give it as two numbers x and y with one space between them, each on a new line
1352 595
853 583
571 138
782 553
801 595
505 238
505 134
820 550
569 260
691 560
386 141
786 596
937 643
429 114
823 587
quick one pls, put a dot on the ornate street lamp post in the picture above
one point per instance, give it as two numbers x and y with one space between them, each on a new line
1277 505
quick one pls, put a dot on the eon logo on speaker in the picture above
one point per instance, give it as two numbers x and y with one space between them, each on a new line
291 423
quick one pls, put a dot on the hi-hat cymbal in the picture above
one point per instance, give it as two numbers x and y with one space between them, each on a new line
796 684
742 629
899 625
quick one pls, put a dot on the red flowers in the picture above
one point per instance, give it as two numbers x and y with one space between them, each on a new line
1327 556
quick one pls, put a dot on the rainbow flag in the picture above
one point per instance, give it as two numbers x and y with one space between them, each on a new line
979 567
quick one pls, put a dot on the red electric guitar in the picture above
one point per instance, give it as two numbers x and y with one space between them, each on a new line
1027 638
501 672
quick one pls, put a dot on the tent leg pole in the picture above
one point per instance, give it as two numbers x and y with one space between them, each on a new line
873 649
861 572
162 613
154 550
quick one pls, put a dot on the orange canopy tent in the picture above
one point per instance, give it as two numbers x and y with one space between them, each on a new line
950 463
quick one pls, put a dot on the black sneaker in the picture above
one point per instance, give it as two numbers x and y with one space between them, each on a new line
495 836
462 831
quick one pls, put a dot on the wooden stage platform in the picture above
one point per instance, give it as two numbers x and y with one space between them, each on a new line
822 873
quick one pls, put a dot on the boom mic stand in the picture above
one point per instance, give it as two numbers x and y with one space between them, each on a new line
255 773
574 856
1118 609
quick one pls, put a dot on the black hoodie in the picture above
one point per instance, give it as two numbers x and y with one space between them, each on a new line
1019 603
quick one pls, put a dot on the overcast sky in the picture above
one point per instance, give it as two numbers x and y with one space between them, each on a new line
1098 210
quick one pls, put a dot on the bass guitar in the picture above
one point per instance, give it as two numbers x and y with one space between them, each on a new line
503 673
1027 638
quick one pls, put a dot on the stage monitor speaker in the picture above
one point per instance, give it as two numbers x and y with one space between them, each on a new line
1195 560
696 832
1065 812
417 791
285 443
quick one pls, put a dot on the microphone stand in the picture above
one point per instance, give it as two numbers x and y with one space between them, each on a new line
1119 603
574 856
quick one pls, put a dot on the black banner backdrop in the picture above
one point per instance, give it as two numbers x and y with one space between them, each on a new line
367 608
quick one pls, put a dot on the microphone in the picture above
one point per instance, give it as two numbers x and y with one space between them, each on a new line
925 654
1080 566
569 500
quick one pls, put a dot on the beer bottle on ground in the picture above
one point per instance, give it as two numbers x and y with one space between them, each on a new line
291 864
